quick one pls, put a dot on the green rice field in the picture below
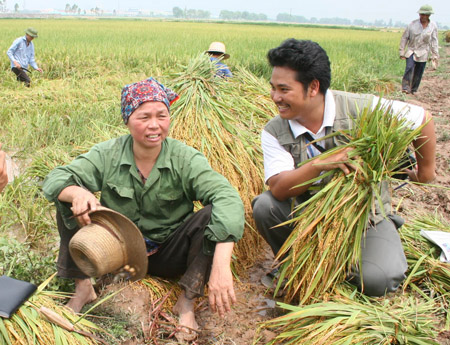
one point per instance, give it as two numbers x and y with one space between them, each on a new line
75 104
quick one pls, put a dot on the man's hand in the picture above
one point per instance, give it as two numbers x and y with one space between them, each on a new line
402 57
40 70
82 201
3 170
221 292
434 63
338 160
17 65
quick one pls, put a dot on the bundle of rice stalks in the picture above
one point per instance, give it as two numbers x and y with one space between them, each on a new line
255 97
212 115
425 268
329 227
28 326
351 318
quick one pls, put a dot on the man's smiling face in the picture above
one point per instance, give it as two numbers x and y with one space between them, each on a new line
288 94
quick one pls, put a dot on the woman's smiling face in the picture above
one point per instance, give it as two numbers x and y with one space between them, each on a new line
149 124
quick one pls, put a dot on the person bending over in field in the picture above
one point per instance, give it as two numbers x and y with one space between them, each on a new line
153 180
21 54
309 110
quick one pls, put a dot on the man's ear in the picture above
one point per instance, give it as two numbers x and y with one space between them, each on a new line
314 88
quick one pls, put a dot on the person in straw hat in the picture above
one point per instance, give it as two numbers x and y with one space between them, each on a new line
308 111
217 54
153 180
419 38
21 54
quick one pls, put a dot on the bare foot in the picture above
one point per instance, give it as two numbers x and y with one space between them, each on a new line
185 310
84 293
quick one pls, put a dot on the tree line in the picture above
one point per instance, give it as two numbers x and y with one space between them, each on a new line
225 15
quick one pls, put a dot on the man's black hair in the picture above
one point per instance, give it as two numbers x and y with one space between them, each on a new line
307 58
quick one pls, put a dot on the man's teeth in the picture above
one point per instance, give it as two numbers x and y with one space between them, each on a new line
153 136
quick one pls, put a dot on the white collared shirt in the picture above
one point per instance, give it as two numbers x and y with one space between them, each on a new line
277 159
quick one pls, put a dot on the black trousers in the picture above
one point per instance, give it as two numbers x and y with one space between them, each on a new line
22 76
413 74
180 256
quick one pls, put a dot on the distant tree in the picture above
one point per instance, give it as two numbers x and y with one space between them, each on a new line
225 15
203 14
237 15
288 18
16 7
79 11
68 8
114 12
178 12
2 5
359 22
74 8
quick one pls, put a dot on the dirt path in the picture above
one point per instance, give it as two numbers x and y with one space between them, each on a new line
434 96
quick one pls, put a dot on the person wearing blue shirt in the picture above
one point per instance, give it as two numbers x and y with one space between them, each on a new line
217 53
21 54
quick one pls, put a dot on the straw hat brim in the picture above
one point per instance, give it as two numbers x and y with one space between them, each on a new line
225 55
125 229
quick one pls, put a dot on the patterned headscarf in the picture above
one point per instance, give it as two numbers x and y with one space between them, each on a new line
149 90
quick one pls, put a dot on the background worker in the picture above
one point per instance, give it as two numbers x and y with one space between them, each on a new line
21 54
217 54
300 82
419 38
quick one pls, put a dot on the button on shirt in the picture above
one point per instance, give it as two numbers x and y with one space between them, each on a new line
22 53
277 159
419 41
180 176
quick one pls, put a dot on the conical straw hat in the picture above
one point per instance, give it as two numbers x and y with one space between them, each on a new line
108 244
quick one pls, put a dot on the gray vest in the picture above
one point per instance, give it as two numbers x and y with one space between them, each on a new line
348 106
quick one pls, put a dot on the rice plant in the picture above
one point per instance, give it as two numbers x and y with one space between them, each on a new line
209 117
426 272
351 318
325 244
29 326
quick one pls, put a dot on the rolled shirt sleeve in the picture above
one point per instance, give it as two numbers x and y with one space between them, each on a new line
211 188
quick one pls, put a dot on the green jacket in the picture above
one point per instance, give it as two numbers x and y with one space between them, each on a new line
181 175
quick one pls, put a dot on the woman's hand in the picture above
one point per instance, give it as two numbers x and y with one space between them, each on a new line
221 292
82 201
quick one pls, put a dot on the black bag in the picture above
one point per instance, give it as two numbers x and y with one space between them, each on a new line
408 162
13 293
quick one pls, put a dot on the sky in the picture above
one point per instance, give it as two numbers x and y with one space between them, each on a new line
367 10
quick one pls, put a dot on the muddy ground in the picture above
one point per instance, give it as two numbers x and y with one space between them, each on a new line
254 302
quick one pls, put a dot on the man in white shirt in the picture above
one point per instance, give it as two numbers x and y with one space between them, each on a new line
300 88
420 36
